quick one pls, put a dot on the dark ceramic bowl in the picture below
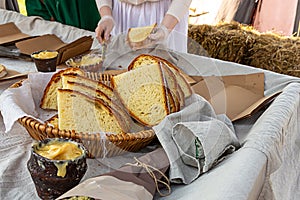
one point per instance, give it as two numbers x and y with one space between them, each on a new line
91 62
45 62
44 172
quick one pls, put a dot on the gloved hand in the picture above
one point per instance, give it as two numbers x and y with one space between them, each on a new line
158 36
105 26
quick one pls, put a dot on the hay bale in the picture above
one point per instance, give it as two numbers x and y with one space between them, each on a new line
226 42
245 45
196 35
275 53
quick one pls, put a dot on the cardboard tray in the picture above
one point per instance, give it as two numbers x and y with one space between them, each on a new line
52 42
11 34
237 96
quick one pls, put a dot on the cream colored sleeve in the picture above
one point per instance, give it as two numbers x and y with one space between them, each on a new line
101 3
179 8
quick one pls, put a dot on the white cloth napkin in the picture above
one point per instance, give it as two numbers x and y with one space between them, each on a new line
24 100
195 139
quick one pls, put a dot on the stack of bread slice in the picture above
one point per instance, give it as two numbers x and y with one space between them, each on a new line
84 113
151 89
138 98
49 98
83 104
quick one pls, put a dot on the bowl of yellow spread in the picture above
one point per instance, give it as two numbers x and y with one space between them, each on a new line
56 165
91 62
45 61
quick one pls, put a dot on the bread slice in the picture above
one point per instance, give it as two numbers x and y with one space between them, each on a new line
52 121
175 89
172 105
139 34
141 60
146 59
170 77
3 71
108 91
95 117
143 93
49 99
184 85
180 77
138 37
98 94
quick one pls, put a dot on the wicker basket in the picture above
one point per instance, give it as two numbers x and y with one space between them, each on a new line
98 146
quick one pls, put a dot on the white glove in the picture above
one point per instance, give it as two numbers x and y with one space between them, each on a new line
105 26
159 35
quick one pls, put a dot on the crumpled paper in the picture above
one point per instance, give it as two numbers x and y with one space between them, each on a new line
195 139
131 181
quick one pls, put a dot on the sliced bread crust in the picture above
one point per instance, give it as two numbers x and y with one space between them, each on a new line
3 71
98 94
138 37
108 91
49 98
139 34
146 59
95 117
143 93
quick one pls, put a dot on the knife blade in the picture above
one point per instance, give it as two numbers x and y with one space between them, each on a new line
103 50
104 46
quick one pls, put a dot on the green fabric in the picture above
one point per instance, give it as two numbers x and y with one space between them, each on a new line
36 8
79 13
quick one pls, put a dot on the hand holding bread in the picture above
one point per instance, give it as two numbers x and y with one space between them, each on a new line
138 37
147 37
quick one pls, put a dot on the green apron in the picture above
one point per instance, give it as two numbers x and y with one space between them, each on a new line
79 13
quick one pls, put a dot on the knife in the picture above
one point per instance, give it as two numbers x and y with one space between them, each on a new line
104 45
103 50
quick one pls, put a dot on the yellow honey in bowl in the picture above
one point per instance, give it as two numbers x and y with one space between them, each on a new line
45 55
62 151
59 150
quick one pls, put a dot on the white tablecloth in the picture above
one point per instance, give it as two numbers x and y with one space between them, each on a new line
265 167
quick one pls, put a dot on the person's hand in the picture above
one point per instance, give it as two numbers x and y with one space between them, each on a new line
158 36
105 26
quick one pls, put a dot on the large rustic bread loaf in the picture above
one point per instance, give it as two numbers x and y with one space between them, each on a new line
143 93
83 113
49 99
